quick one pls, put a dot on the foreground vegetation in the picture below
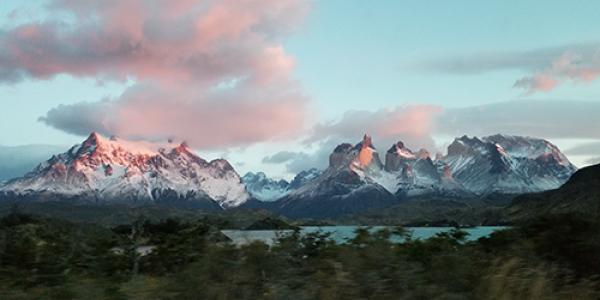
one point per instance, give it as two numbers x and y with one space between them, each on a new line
43 258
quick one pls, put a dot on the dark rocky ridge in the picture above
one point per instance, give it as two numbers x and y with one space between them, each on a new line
579 195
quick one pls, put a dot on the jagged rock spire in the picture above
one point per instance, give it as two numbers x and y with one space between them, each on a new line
365 156
93 138
367 141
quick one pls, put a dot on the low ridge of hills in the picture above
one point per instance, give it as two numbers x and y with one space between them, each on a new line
579 195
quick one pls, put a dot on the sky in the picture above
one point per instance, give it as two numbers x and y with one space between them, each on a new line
274 85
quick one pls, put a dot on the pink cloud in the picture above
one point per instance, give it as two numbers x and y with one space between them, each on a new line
234 119
570 66
206 120
539 82
203 42
211 72
413 124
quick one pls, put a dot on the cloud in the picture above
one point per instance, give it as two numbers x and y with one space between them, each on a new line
295 162
593 161
80 118
588 153
417 126
548 67
546 119
204 71
205 120
570 66
412 124
538 82
279 157
592 148
205 41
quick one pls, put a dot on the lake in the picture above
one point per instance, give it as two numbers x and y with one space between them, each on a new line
341 234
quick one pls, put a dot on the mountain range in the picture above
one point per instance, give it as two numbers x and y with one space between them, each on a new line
111 170
357 179
104 170
264 188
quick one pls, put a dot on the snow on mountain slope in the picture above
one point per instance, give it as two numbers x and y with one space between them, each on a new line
507 164
369 167
116 170
304 177
357 179
417 174
139 172
353 182
264 188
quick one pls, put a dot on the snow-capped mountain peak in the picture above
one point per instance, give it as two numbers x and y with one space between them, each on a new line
264 188
400 150
114 169
507 164
95 143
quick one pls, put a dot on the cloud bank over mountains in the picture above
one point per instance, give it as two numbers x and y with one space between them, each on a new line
419 125
414 123
549 119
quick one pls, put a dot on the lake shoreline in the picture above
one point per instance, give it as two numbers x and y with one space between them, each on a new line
341 234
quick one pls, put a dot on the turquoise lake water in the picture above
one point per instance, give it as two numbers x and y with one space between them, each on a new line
341 234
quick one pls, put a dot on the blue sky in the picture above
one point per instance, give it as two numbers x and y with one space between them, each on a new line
357 55
362 53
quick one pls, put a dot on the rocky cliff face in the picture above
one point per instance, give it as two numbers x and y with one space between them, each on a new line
507 164
345 187
357 179
264 188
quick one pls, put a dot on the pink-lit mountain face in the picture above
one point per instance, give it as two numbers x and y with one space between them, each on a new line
119 171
